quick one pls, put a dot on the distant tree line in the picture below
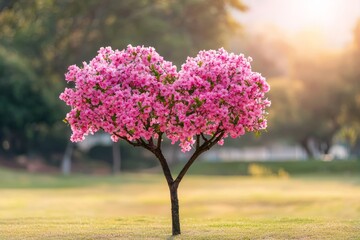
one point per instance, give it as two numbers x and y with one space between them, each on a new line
39 39
315 94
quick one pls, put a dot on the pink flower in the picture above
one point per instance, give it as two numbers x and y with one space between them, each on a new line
135 94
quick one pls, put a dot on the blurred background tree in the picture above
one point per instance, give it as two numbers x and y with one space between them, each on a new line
315 90
39 39
349 116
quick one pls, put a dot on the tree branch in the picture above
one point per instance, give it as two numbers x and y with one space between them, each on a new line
208 143
164 166
143 141
214 136
156 151
203 137
139 143
159 141
151 141
204 147
135 144
187 166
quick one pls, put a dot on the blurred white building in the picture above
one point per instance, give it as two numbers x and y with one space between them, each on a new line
269 153
275 152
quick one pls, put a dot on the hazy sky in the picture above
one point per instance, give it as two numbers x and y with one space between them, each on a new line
333 19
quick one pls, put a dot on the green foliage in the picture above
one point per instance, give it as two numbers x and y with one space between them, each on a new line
349 116
313 102
314 91
39 39
26 111
275 168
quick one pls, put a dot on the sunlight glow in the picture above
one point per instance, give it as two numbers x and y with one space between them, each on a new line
320 12
333 19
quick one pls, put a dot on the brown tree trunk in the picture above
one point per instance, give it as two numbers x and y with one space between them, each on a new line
326 145
174 184
173 187
175 210
305 145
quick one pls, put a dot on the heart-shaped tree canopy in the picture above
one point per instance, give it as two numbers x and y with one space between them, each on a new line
136 95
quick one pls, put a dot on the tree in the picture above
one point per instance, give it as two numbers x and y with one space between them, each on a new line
312 102
307 105
349 115
25 112
137 96
48 35
29 112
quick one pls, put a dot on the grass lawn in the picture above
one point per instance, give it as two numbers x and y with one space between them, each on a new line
136 206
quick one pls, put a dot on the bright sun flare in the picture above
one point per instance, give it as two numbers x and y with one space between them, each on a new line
333 20
319 13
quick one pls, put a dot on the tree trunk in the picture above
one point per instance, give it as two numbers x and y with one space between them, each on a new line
174 184
175 210
325 146
304 143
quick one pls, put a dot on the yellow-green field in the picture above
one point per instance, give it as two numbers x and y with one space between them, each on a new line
135 206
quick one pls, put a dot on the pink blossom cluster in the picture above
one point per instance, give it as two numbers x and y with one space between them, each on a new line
136 94
124 93
219 92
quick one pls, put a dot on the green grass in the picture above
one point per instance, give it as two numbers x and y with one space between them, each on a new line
291 167
136 206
